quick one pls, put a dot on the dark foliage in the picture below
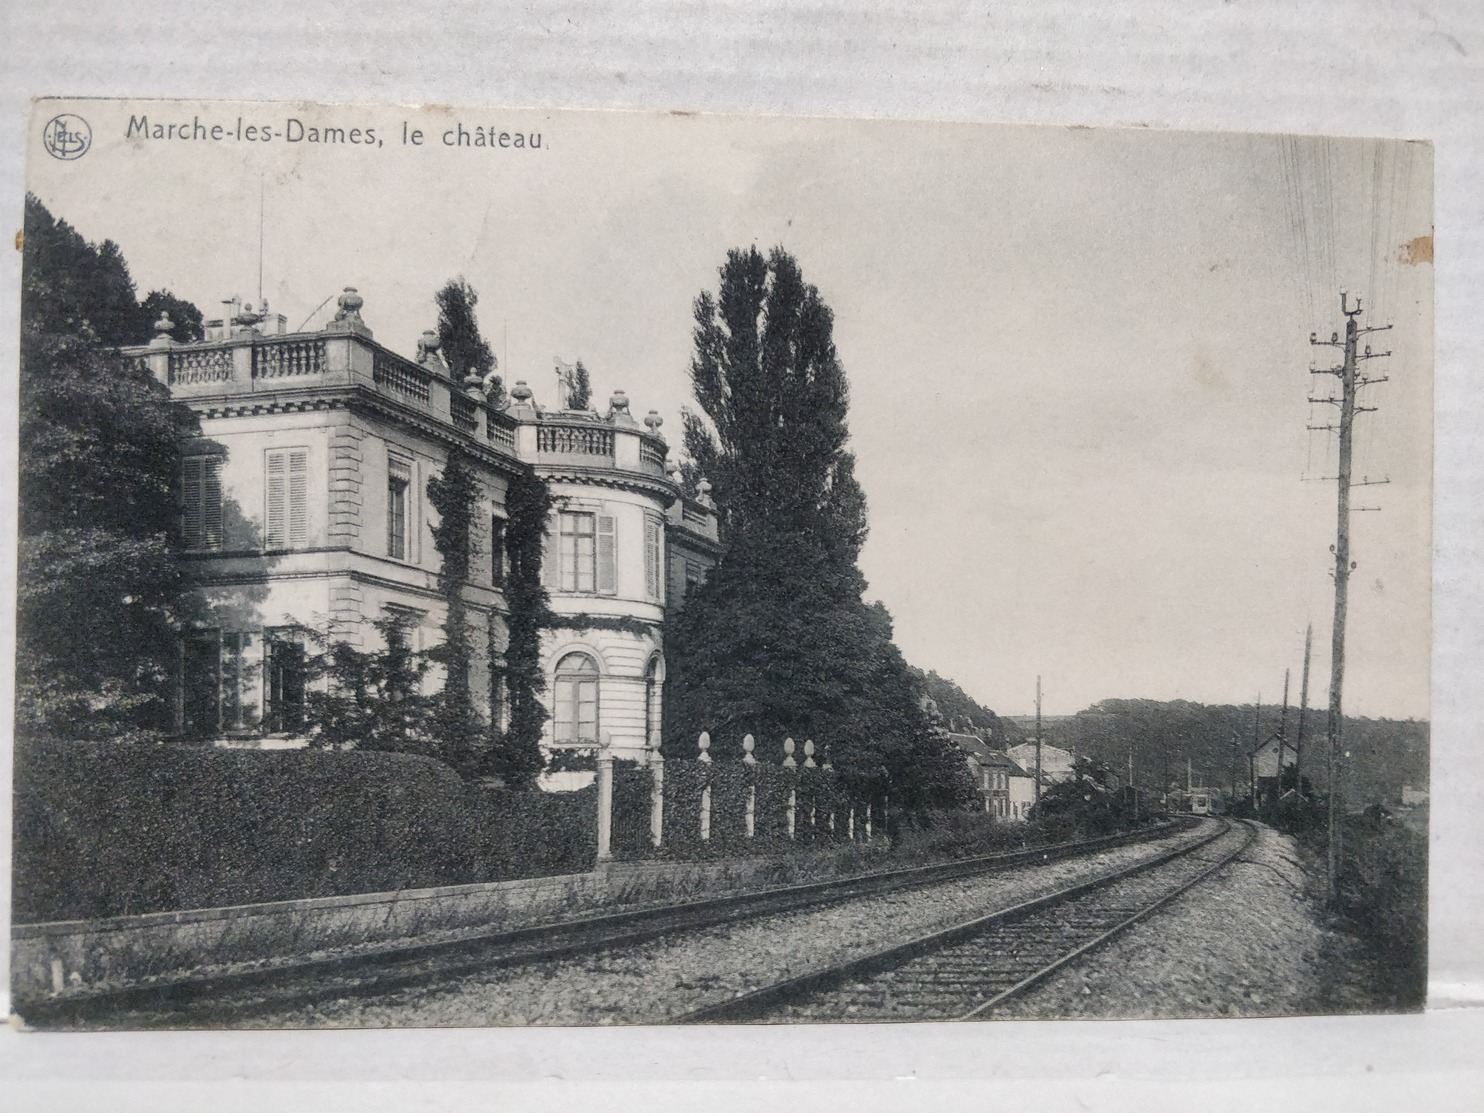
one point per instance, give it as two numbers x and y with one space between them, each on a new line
778 641
371 699
520 834
581 397
107 828
1085 803
516 757
1384 753
118 829
186 318
464 348
100 589
455 724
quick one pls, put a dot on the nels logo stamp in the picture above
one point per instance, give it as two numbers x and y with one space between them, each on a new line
67 136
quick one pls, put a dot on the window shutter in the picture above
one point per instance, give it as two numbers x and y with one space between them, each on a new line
298 498
653 559
288 499
607 574
190 491
276 526
211 502
550 561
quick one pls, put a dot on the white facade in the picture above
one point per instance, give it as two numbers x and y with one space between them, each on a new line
305 508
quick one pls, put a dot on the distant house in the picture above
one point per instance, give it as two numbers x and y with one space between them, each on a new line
1263 769
1414 796
1056 764
1005 790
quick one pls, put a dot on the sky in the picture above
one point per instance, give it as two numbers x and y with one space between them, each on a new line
1078 357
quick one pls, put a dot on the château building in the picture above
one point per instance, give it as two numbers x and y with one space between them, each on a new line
305 516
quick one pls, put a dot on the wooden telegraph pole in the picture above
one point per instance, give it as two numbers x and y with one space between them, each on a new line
1350 384
1038 738
1298 744
1282 732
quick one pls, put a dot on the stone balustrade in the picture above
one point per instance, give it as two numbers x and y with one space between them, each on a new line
343 354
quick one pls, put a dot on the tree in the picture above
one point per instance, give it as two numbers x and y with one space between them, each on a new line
371 700
516 757
101 592
464 348
455 723
581 396
778 642
186 318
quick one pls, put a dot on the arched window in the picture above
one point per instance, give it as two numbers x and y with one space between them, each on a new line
654 681
576 699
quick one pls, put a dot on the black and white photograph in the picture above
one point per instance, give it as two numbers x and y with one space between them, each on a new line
507 567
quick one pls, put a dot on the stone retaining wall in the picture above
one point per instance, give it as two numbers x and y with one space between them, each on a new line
52 962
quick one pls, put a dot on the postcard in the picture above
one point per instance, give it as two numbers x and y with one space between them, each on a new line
491 566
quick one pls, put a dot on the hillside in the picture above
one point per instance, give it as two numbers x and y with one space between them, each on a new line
1384 753
954 703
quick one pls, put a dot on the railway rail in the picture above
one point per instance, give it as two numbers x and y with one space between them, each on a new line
974 969
219 1000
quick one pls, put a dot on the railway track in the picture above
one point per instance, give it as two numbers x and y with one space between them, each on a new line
202 1001
972 970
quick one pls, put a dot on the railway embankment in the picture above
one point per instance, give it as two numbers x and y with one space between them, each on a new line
670 976
59 963
1253 940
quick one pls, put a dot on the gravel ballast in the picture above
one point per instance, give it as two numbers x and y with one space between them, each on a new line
664 978
1246 942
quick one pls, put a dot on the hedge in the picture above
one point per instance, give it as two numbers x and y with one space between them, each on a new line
532 833
106 829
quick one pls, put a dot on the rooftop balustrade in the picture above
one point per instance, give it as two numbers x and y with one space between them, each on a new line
343 354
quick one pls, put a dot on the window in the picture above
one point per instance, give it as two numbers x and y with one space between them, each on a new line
497 551
219 677
654 558
287 499
695 577
398 484
586 550
499 696
201 499
284 692
576 699
654 676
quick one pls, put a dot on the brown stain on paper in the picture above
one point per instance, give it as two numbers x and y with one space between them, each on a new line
1418 250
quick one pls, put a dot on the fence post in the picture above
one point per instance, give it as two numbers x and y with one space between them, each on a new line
748 744
705 758
793 794
834 789
605 800
656 791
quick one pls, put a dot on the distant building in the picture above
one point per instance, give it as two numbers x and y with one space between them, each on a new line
1005 790
1414 796
305 506
1056 764
1263 770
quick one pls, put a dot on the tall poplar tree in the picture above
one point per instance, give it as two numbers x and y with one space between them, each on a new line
464 347
778 642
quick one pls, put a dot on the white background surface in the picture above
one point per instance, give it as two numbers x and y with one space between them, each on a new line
1364 67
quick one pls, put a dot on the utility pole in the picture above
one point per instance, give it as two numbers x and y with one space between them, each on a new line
1231 773
1350 384
1282 732
1038 738
1298 749
1252 756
